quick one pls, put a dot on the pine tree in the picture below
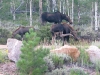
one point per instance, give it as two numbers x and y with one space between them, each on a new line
31 60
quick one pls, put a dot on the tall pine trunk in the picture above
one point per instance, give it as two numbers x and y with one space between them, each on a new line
26 9
92 16
78 14
30 12
96 20
68 8
13 9
51 5
72 10
40 10
48 6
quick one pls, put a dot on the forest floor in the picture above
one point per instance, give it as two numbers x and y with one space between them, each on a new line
9 68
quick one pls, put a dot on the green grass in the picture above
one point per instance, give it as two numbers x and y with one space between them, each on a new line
3 56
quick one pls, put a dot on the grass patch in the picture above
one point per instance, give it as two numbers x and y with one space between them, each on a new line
3 56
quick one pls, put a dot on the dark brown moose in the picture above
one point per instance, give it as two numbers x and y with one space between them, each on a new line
21 31
55 17
63 30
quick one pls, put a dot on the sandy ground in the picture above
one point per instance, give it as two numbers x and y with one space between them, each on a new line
3 46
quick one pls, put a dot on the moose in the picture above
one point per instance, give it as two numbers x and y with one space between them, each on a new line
21 31
63 31
55 17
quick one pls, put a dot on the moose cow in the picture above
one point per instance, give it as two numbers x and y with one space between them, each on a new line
64 31
55 17
21 31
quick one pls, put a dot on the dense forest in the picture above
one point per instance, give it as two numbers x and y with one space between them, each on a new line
82 12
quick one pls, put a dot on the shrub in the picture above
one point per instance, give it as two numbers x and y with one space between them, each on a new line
54 61
57 71
77 71
3 56
67 71
4 35
84 58
57 61
49 63
31 60
44 33
60 59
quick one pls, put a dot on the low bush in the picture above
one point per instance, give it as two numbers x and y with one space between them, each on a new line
57 71
3 56
55 61
77 71
4 35
84 58
44 33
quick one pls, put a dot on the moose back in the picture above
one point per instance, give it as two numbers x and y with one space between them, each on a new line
55 17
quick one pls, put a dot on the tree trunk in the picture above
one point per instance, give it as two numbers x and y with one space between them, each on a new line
92 16
48 7
51 5
63 6
13 10
30 12
60 6
40 10
65 10
72 10
14 17
96 20
68 7
54 5
26 10
78 14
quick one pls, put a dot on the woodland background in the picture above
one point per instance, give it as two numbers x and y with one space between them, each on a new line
85 14
24 12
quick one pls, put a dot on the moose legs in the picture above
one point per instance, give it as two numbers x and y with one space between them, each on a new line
64 37
55 35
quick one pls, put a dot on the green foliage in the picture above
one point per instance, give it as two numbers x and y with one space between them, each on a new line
66 71
44 33
22 19
60 59
57 71
5 7
49 63
54 61
57 60
3 56
84 58
77 71
31 60
4 35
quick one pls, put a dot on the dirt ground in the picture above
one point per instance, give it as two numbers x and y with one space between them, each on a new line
8 68
3 46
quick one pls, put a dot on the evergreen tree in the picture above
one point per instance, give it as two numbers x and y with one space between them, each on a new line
31 60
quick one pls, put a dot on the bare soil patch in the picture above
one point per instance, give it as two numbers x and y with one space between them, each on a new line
3 46
8 68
